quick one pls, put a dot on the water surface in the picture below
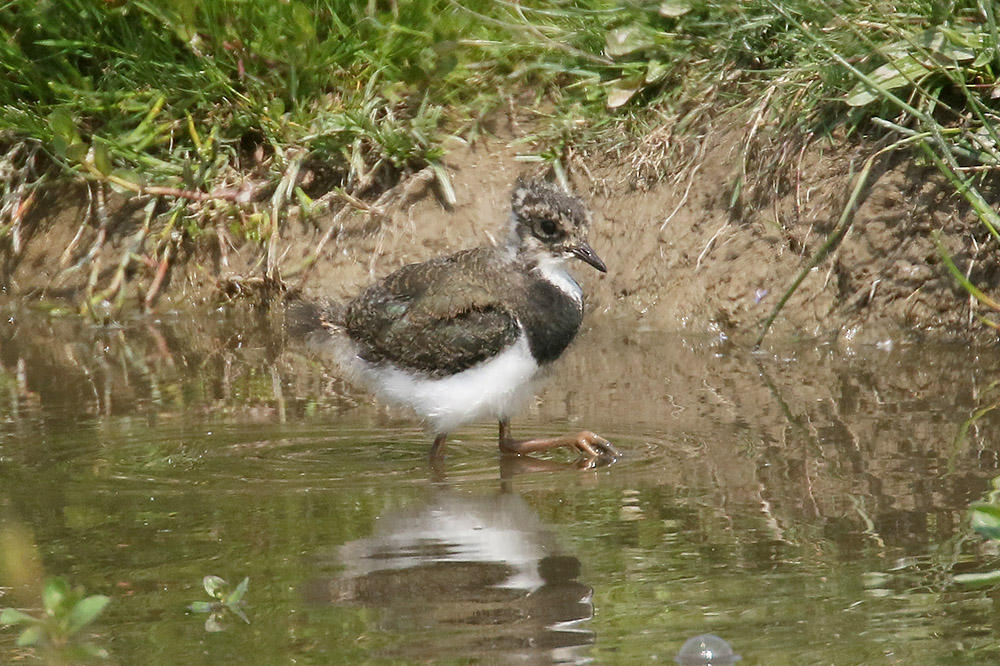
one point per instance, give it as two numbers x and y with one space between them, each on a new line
807 506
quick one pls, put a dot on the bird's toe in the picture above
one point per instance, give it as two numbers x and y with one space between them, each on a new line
595 447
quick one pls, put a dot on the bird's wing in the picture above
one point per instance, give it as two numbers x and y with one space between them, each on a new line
439 317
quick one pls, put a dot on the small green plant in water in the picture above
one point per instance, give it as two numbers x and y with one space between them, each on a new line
67 612
225 602
984 517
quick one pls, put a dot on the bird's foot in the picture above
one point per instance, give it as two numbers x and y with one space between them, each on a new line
596 450
594 446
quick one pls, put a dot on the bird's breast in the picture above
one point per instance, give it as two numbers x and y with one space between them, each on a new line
550 318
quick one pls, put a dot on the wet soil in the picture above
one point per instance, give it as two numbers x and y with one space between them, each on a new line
684 253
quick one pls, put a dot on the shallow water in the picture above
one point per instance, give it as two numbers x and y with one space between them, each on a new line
807 506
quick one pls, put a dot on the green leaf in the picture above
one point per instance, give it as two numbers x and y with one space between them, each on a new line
620 91
62 126
619 96
655 71
986 511
213 585
949 43
31 636
129 176
240 614
900 72
14 616
59 146
236 595
445 183
984 58
985 519
674 9
68 44
305 201
623 41
102 161
76 152
202 607
54 595
212 624
979 579
85 611
991 533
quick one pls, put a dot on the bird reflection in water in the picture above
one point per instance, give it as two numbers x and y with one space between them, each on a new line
464 576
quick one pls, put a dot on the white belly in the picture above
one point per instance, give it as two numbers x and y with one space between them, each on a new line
498 388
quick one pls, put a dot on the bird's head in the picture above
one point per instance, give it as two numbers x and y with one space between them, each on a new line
547 221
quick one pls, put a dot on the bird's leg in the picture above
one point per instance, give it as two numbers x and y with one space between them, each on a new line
437 449
591 446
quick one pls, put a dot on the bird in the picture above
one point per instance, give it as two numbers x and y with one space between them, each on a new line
471 335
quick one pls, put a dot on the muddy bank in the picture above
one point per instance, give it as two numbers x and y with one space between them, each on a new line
684 254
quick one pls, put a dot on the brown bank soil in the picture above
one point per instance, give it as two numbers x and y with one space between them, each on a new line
681 256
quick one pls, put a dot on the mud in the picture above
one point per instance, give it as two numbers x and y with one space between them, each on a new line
684 254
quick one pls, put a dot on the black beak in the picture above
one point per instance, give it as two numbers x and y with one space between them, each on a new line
586 253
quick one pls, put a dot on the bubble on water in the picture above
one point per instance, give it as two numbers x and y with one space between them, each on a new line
706 650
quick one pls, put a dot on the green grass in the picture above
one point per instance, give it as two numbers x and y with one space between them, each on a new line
232 102
176 92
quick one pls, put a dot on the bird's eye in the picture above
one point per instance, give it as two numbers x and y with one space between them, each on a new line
548 227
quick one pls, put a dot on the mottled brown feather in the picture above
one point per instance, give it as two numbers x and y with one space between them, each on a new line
438 317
